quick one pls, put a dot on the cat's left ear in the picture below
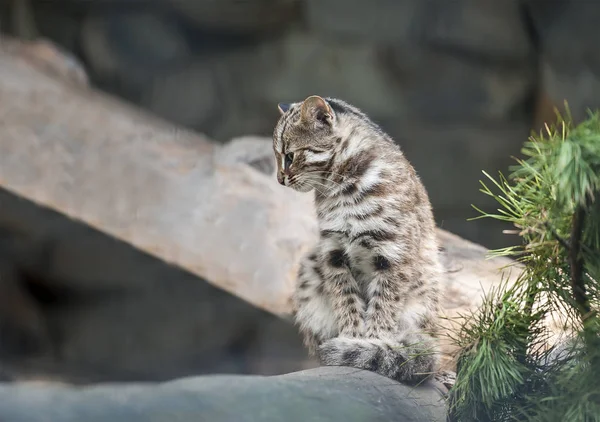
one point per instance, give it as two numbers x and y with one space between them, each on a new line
316 109
283 107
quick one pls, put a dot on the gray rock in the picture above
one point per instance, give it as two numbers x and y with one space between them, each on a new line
450 157
23 330
486 27
220 94
303 63
438 87
189 95
140 37
61 24
566 351
102 311
363 20
570 59
50 58
238 16
323 394
125 50
254 151
490 31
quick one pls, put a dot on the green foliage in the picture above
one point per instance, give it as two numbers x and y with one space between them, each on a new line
505 371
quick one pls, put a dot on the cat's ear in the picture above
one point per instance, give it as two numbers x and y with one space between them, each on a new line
315 109
283 107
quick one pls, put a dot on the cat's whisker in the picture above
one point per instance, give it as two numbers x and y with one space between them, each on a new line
329 173
317 189
300 180
312 184
337 184
328 189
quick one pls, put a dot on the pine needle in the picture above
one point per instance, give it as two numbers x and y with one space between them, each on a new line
506 371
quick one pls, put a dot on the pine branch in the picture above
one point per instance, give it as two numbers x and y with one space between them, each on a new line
560 240
506 371
576 263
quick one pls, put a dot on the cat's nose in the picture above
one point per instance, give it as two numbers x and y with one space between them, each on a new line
280 178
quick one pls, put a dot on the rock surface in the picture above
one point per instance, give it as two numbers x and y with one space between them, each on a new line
79 306
246 16
323 394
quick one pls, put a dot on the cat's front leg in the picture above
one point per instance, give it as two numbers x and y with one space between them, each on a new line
386 295
312 309
343 291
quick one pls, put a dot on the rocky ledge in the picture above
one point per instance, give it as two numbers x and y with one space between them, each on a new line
323 394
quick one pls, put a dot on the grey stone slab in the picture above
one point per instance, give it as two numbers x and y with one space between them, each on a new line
322 394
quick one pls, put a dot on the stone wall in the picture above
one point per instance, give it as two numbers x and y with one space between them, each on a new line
458 83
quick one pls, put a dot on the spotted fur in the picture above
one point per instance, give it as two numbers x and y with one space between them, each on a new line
367 295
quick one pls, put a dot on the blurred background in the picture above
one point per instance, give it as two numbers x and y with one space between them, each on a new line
459 84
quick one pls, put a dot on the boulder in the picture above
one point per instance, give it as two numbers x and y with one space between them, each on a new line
79 306
324 394
49 58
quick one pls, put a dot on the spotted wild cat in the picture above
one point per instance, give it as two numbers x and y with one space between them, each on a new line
367 295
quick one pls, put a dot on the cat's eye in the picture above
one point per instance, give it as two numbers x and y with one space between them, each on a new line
289 159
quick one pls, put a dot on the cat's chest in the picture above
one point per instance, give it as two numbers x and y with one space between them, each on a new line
337 238
359 254
342 230
360 261
342 221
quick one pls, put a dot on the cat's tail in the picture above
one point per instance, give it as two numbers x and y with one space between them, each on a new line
409 359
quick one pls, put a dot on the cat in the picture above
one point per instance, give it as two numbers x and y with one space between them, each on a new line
367 295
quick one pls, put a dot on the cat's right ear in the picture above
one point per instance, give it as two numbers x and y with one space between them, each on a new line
283 107
316 109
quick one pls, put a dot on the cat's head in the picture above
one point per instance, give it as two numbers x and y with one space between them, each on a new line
304 140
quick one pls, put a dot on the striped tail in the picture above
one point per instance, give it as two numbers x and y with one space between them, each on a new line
409 360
